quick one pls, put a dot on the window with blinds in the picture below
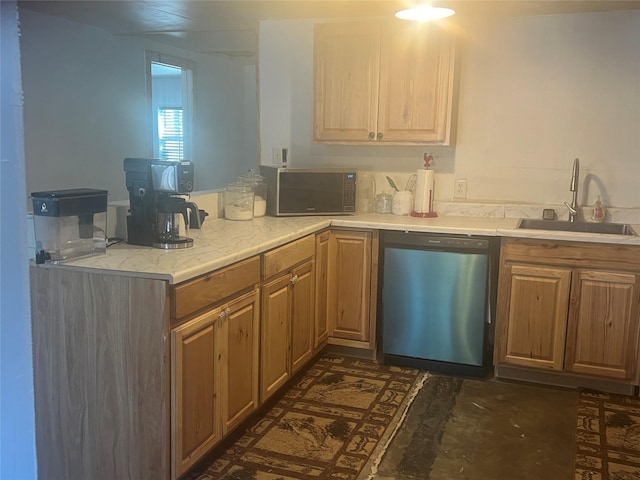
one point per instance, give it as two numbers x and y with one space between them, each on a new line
169 106
171 133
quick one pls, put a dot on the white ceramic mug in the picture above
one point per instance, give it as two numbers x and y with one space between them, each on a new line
402 203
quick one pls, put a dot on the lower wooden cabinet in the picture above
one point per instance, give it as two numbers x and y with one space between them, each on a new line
288 313
535 315
195 413
322 277
351 288
569 307
302 315
602 332
287 326
214 372
238 358
274 351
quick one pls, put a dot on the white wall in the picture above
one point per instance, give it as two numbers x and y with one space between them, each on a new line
85 108
17 422
535 92
250 128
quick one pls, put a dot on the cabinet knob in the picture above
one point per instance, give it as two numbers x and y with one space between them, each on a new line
379 135
372 135
223 315
227 312
294 279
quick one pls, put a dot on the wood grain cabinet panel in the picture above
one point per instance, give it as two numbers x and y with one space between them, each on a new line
196 425
322 275
238 357
214 287
101 378
302 315
603 328
214 371
383 82
347 59
286 257
536 316
416 84
569 307
349 289
288 313
274 351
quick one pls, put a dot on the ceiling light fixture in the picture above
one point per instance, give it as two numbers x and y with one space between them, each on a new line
424 13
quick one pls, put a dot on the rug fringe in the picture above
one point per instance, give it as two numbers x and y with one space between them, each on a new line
416 388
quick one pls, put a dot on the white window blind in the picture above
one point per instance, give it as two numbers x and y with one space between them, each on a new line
171 133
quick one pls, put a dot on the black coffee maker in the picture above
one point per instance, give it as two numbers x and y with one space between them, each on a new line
158 214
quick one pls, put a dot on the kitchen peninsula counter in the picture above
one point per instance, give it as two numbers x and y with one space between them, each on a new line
222 242
108 336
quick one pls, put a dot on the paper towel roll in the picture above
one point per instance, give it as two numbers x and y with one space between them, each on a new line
423 200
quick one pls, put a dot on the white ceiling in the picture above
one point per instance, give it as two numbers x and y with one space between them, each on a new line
229 26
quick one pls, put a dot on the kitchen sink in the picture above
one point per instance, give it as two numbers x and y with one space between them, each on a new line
583 227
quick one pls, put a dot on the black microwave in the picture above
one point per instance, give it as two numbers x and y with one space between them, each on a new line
310 191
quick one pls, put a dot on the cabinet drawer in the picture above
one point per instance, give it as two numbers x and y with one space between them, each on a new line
285 257
213 287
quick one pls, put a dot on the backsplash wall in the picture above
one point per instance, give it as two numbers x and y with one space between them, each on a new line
535 92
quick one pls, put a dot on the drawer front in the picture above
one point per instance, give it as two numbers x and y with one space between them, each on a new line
287 256
209 289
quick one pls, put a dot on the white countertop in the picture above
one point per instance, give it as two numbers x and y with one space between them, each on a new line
223 242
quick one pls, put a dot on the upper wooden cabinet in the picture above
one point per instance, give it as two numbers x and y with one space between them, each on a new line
569 307
386 83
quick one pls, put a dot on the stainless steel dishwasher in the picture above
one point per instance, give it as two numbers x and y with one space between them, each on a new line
437 301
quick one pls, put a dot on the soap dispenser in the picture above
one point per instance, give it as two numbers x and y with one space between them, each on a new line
598 211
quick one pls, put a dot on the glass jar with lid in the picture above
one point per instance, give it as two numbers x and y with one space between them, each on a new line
260 191
384 201
238 201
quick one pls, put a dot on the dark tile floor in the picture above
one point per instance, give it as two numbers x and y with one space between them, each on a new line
488 430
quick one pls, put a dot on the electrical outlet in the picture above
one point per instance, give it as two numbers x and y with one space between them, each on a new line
460 189
277 155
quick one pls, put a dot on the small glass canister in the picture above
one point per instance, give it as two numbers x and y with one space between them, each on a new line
383 202
260 192
238 201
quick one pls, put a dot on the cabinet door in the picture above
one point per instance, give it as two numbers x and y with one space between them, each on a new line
274 351
322 267
302 315
349 285
416 84
532 315
195 422
602 336
238 358
346 61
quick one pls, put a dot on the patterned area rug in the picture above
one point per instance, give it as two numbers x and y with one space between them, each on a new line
325 427
608 437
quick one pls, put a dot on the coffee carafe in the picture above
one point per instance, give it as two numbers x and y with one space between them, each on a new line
171 222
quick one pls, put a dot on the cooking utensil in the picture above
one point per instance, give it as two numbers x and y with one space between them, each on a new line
411 182
393 184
